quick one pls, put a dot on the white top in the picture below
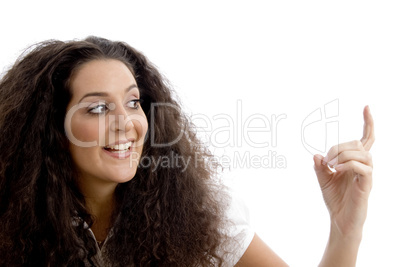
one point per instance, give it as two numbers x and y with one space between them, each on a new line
239 229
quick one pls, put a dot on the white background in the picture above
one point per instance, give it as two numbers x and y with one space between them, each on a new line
276 57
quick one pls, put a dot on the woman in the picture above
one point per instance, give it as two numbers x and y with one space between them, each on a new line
85 128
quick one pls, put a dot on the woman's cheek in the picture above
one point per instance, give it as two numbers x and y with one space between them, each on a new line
85 131
141 126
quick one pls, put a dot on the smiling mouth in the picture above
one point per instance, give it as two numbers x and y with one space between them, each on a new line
119 148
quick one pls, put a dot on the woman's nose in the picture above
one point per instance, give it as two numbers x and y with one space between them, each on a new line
119 120
120 123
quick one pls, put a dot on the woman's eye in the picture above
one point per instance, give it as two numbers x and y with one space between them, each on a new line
134 104
99 109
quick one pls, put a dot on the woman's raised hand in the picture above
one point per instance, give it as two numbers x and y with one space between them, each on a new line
346 190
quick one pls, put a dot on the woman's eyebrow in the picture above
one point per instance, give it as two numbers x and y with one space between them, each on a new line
131 87
104 94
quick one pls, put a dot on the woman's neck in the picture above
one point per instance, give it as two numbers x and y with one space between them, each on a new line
100 207
100 202
102 211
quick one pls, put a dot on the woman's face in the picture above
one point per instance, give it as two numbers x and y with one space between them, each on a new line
105 123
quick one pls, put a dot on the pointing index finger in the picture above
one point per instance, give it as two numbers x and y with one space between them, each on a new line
368 129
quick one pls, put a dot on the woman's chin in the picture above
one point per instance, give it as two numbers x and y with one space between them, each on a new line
123 178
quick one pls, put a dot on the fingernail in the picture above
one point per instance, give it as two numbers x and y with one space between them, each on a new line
332 162
324 160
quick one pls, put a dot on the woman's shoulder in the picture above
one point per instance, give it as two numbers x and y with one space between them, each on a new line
236 228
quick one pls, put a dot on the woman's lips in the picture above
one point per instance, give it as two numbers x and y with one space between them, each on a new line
119 154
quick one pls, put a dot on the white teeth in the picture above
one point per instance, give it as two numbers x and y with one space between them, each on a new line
120 147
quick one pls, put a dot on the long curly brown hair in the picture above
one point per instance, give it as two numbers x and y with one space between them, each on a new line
167 216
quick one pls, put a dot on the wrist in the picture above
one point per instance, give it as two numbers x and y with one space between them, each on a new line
342 248
351 236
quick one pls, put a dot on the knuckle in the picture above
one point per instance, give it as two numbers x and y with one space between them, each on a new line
369 171
358 144
369 159
343 156
351 164
333 150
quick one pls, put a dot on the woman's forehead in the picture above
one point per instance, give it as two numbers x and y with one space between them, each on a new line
109 76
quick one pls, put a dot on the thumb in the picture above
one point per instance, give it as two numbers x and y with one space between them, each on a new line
322 171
